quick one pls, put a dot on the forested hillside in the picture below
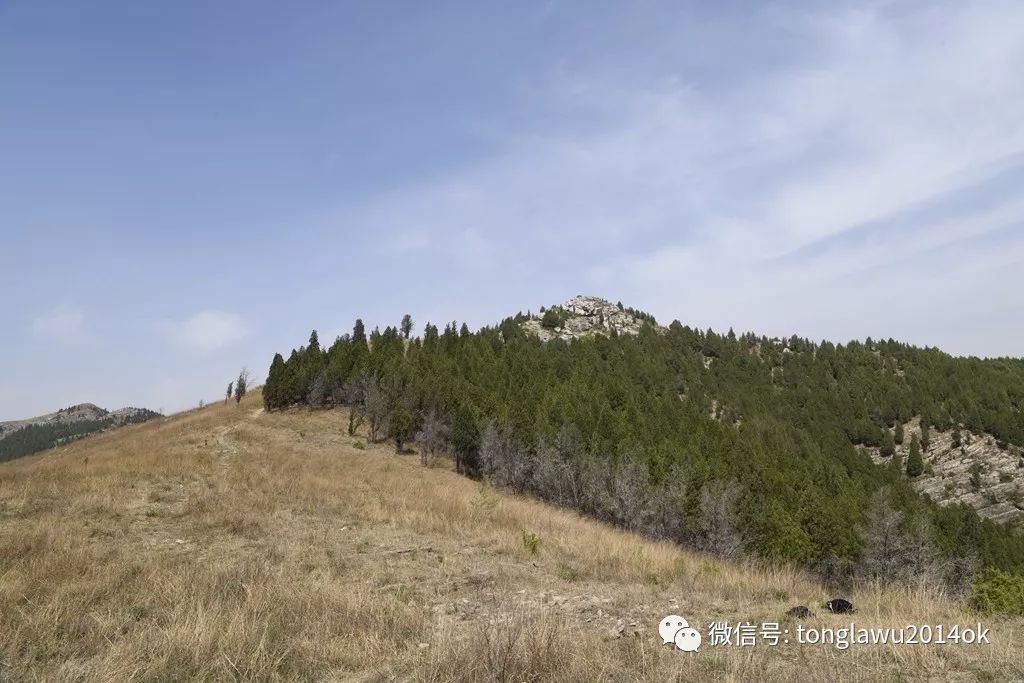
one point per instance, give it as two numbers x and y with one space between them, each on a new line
27 437
737 444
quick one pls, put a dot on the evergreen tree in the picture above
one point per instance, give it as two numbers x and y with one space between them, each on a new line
359 332
241 385
896 466
406 325
888 444
898 435
399 426
915 465
466 441
926 436
274 386
231 388
550 320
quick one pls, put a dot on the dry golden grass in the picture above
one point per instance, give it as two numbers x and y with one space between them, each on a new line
228 544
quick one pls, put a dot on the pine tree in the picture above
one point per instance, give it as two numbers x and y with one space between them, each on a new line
926 436
896 465
915 465
231 389
274 386
888 444
406 325
550 320
399 426
241 385
359 331
898 435
466 441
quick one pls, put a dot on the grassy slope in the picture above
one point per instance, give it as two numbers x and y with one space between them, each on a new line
229 544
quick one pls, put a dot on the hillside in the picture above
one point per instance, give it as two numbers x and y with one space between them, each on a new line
22 437
229 543
739 444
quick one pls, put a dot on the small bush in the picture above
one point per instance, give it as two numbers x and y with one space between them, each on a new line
531 542
359 445
708 567
550 320
568 573
996 592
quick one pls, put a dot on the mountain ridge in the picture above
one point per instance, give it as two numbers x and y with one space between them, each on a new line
34 434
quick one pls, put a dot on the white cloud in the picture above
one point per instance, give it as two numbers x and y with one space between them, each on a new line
65 324
206 331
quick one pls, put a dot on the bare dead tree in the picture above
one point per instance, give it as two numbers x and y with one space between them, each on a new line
897 549
630 485
668 505
719 519
376 405
317 396
432 436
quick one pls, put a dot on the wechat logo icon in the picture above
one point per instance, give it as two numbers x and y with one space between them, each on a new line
675 629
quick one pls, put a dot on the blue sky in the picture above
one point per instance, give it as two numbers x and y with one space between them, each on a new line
188 187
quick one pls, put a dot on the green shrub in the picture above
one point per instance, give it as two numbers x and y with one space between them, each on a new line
531 542
996 592
568 573
551 319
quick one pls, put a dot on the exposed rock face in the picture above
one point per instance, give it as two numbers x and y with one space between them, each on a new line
977 473
585 316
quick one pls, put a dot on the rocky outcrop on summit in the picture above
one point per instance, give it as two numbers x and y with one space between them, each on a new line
586 316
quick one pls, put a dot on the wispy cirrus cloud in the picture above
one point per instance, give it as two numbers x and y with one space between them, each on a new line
206 331
879 139
65 323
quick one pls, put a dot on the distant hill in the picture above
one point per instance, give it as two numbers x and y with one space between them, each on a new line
23 437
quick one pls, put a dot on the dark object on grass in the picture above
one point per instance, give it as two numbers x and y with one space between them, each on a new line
800 612
839 606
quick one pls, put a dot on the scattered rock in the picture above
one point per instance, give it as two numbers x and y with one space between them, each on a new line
618 630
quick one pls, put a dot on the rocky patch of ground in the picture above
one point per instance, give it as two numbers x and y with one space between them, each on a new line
978 472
